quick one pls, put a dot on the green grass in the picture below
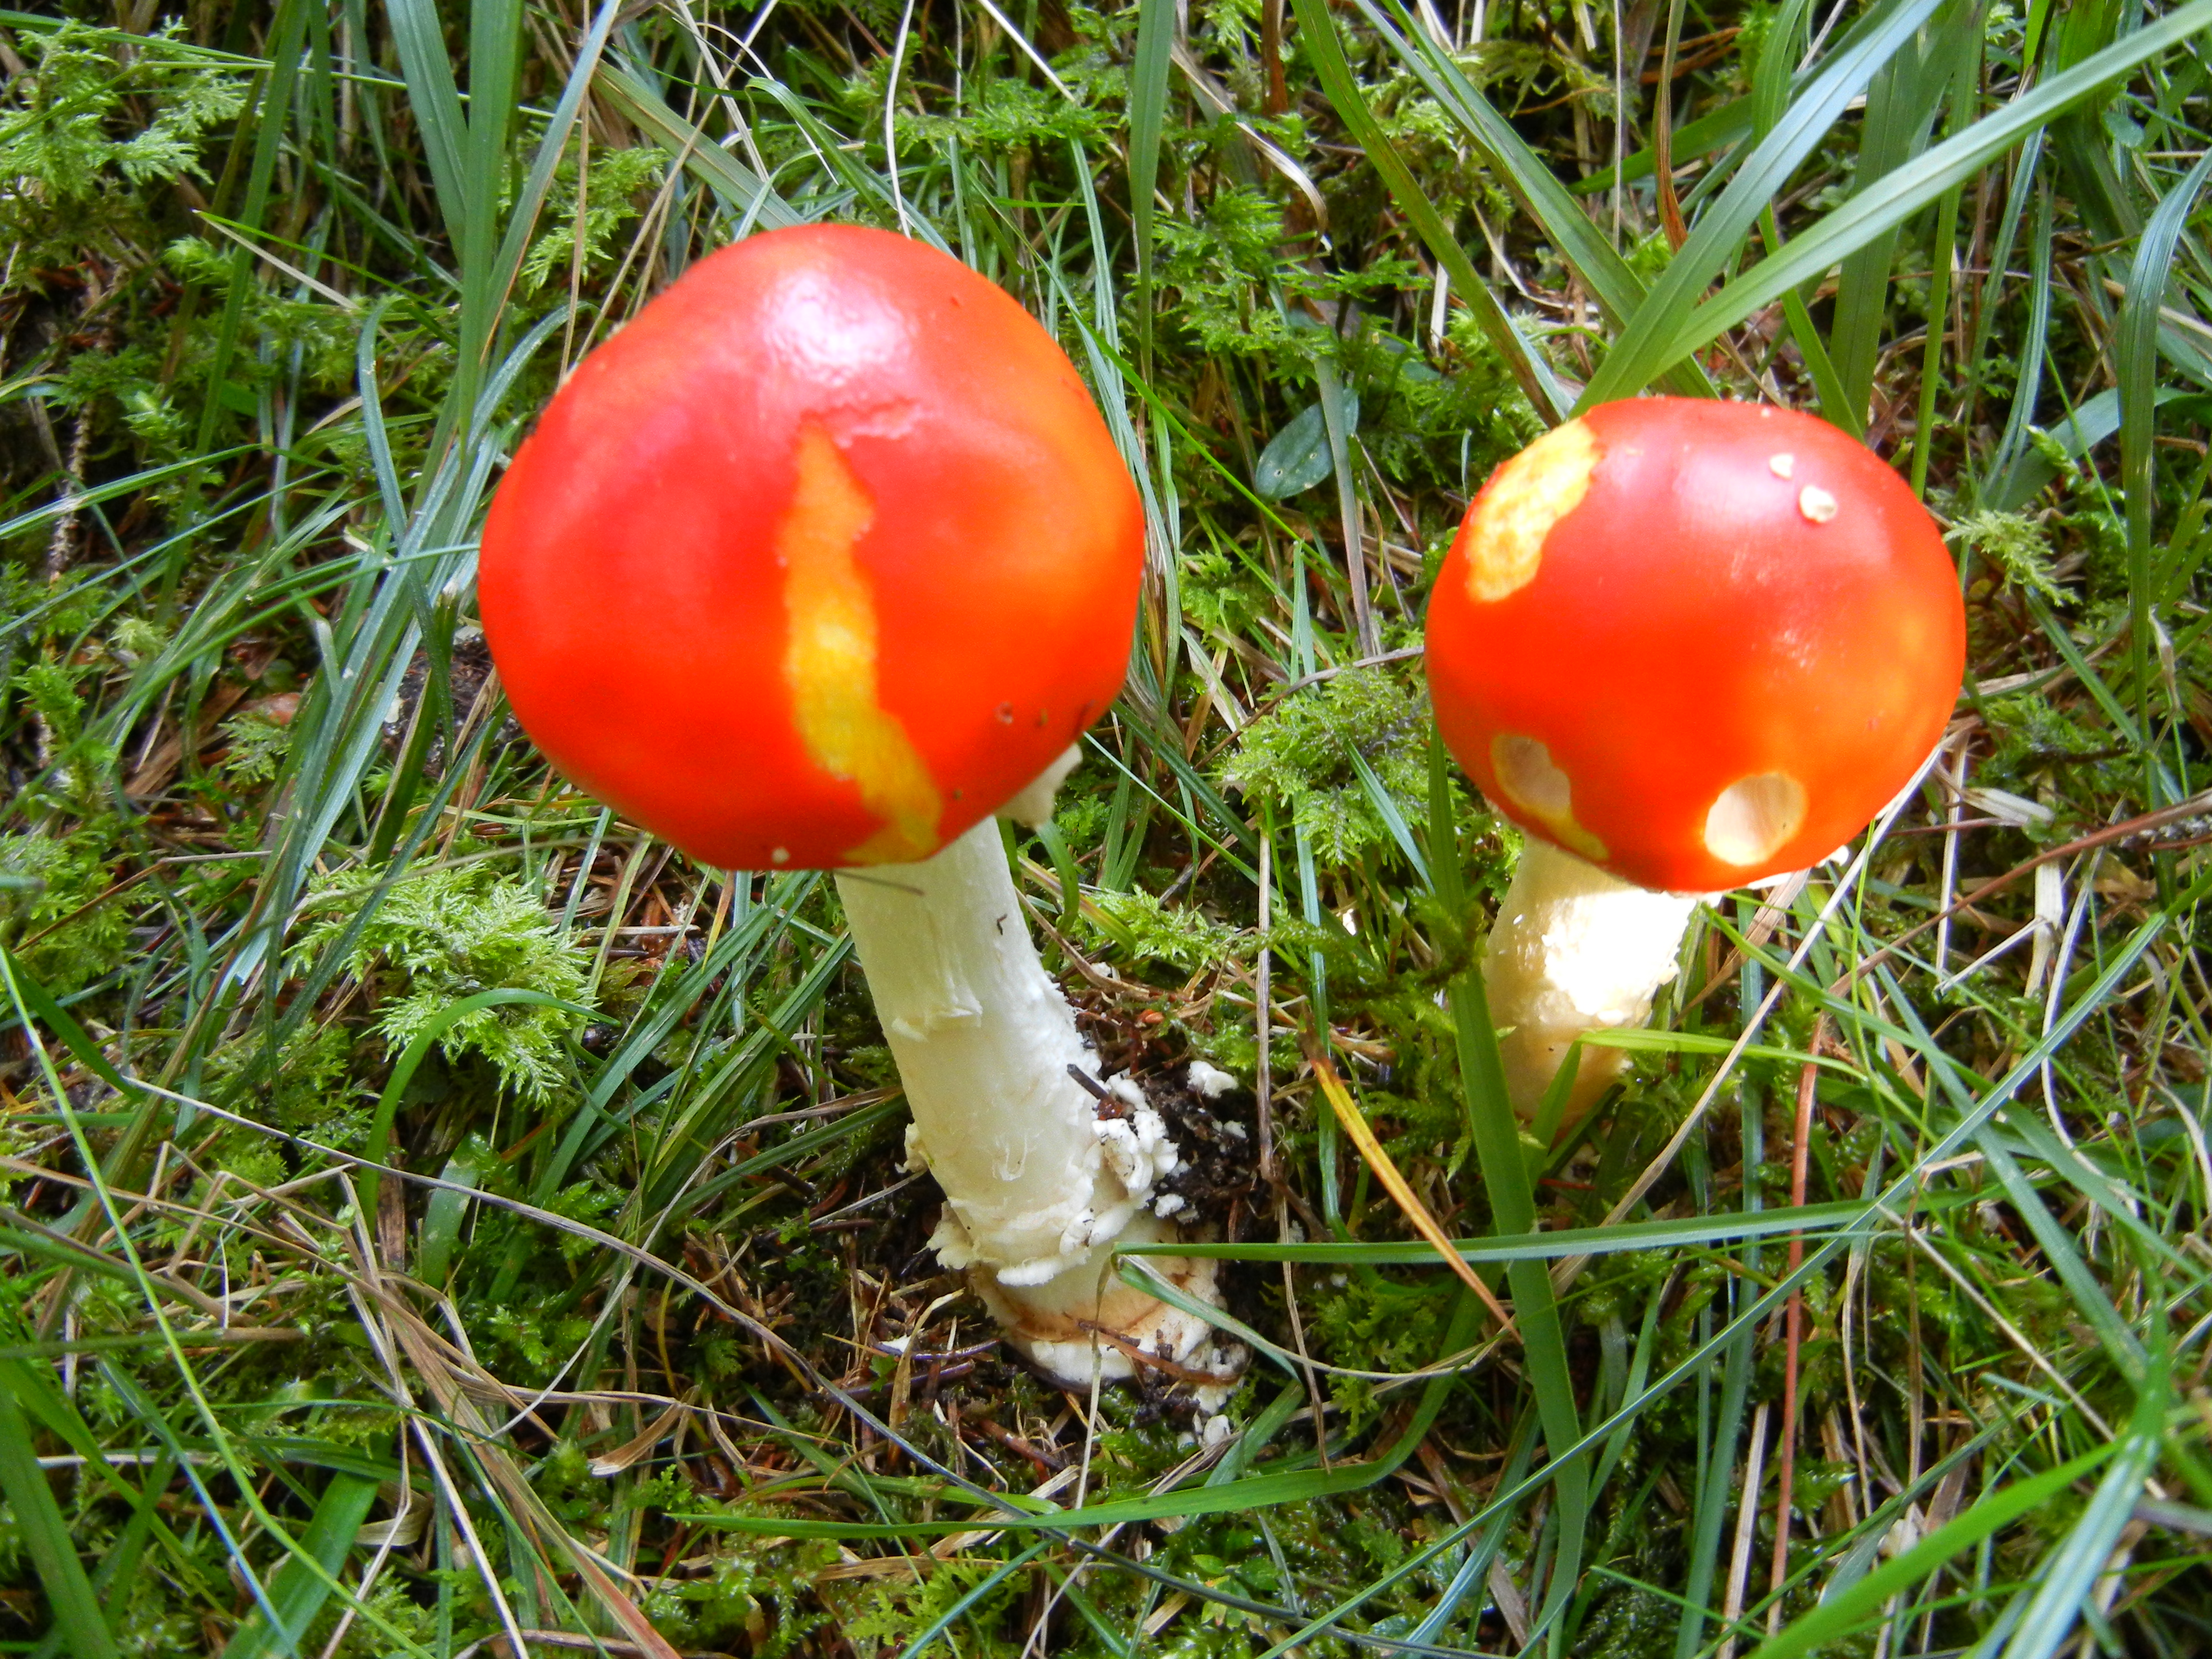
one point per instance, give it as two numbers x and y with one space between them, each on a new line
433 1211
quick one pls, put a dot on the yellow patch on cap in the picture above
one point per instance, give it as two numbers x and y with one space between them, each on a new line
1517 509
829 658
1533 781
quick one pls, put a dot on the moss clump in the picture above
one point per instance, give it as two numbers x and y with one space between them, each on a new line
1299 758
446 933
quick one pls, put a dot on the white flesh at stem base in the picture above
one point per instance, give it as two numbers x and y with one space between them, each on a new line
1039 1187
1574 950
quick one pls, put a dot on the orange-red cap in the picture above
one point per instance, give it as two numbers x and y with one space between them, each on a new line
819 561
1694 642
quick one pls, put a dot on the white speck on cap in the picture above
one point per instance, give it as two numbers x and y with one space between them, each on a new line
1816 503
779 855
1782 465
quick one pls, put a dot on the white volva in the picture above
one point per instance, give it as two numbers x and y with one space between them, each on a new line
1041 1181
1574 950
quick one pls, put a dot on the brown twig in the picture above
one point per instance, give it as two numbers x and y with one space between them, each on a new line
1662 135
1044 1463
1277 96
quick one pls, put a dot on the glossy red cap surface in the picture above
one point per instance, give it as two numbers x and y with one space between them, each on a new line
1695 642
818 560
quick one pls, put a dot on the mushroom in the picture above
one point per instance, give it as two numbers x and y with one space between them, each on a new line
1686 645
822 561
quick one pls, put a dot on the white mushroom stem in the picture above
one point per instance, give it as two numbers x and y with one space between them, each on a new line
1574 951
1041 1181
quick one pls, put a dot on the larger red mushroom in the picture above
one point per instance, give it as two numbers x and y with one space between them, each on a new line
821 562
1686 645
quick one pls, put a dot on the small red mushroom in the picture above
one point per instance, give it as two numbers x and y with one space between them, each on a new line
1695 642
818 560
1692 644
824 560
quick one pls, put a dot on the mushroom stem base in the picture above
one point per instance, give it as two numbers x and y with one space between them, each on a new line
1574 951
1039 1184
1086 1317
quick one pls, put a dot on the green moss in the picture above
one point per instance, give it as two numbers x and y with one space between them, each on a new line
2016 547
54 912
305 1088
2043 749
444 934
1297 759
257 745
609 189
1214 263
89 126
1177 935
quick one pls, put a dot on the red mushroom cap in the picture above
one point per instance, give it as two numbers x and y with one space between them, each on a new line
819 561
1695 642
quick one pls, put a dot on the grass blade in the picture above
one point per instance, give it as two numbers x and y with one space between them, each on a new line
1536 380
1901 102
2135 371
1645 349
1616 288
419 33
2066 1578
298 1592
522 219
1845 1216
743 192
287 34
1148 98
495 39
46 1533
1838 1617
1896 198
1535 1310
